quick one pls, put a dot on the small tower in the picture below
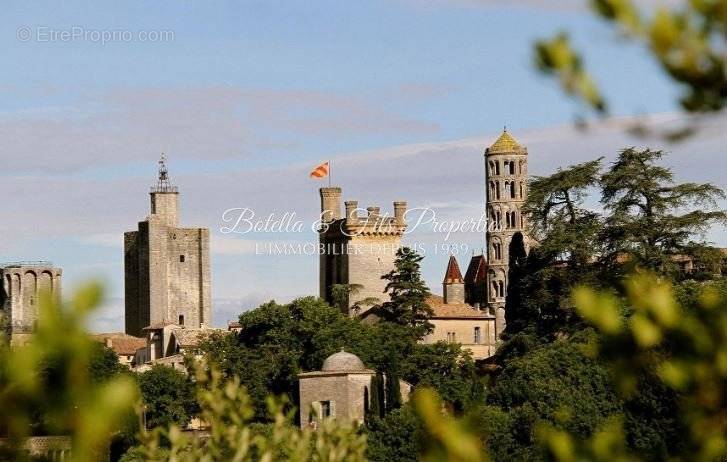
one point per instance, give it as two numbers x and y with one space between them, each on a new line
164 197
453 284
506 167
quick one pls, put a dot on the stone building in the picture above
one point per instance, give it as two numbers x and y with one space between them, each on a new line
23 283
506 167
356 250
167 268
340 390
456 321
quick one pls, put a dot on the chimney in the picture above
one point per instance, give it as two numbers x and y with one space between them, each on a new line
330 204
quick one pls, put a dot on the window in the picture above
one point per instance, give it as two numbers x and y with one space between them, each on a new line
451 337
181 258
497 251
181 319
478 338
325 409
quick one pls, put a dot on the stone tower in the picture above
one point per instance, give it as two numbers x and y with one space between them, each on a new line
506 167
357 249
166 268
23 283
453 284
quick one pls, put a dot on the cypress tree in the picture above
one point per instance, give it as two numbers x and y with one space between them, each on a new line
393 392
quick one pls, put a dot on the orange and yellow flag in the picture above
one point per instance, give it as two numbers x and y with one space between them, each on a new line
321 171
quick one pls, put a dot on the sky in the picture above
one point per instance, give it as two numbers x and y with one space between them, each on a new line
245 98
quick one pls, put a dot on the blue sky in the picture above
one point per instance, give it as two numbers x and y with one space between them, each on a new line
246 97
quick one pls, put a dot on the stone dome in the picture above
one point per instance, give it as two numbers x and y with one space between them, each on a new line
343 361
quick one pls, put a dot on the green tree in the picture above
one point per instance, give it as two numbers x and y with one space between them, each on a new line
168 396
396 437
408 294
104 363
447 368
650 219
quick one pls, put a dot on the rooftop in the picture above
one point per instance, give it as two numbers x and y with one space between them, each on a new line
453 274
505 143
454 310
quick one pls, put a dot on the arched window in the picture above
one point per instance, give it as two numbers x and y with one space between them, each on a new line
497 190
477 336
181 319
501 288
512 190
497 168
497 251
511 166
521 190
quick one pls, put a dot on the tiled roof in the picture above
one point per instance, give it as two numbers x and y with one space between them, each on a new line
453 310
453 274
121 343
476 270
505 143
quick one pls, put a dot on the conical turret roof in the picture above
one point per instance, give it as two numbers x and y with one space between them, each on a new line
453 274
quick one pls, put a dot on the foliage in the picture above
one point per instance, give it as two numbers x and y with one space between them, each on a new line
648 223
687 41
449 370
104 363
685 349
398 436
67 398
228 410
167 395
408 294
647 218
541 385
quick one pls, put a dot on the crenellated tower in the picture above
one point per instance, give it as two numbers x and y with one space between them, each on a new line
357 248
506 173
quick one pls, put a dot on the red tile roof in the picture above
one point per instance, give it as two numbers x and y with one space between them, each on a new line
453 310
121 343
453 274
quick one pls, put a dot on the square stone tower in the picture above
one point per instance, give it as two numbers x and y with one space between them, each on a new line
356 250
506 174
23 283
166 268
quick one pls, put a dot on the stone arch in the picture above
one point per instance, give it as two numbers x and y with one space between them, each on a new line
496 249
45 282
29 295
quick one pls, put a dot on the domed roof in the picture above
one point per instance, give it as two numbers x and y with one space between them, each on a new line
343 361
505 143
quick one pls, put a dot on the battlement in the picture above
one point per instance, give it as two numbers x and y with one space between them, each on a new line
356 220
27 264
